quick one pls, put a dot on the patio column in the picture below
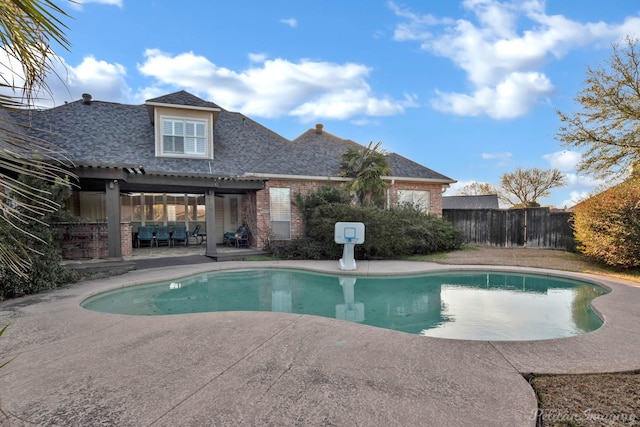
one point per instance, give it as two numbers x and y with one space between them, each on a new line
112 190
210 222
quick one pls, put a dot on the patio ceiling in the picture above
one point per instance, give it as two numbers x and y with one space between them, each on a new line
136 178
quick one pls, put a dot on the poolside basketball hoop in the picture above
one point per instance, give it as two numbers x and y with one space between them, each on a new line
348 234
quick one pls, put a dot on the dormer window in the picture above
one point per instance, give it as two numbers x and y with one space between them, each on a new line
183 126
182 136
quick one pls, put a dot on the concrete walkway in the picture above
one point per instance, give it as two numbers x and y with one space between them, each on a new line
74 367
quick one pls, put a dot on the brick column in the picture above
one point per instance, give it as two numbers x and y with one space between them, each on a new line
126 243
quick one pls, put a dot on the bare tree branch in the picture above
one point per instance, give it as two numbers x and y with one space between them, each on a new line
608 125
523 187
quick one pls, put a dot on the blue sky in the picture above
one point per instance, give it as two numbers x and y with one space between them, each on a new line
467 88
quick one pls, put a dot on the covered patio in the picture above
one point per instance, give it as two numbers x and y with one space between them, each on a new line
127 197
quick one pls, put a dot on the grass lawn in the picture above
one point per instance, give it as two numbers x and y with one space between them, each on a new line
527 257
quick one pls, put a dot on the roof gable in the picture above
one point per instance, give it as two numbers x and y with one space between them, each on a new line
182 98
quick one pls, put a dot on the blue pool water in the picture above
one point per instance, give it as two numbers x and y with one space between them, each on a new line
462 305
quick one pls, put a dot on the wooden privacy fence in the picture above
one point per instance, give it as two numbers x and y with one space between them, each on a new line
530 227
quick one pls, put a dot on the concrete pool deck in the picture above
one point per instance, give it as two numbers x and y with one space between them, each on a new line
71 366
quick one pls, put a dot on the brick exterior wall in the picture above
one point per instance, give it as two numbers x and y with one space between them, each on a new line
82 241
90 240
126 239
262 227
262 220
435 194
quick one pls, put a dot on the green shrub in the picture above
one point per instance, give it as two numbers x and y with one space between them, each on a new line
45 270
322 196
607 226
297 249
391 233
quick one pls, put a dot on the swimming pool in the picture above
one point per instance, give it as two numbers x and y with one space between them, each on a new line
477 305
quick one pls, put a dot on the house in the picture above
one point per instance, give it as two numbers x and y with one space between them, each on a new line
485 201
180 160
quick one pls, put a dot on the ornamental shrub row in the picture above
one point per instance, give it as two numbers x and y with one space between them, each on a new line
607 225
389 233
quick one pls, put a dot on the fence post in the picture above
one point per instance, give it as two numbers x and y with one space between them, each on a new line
525 228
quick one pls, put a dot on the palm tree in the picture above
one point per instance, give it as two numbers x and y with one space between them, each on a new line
366 167
27 30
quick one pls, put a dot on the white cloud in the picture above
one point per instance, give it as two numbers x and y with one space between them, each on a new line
308 89
365 122
346 103
257 57
103 80
410 100
583 181
502 158
577 186
511 98
149 92
563 160
575 197
292 22
455 188
416 26
505 45
580 187
79 3
12 74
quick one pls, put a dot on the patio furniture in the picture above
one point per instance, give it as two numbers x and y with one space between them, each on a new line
145 234
180 235
162 235
238 238
197 235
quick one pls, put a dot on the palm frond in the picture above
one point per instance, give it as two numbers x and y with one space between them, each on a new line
28 28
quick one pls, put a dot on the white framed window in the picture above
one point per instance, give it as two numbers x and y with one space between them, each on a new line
280 209
184 136
419 199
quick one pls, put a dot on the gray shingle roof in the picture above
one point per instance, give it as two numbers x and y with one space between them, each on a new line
318 154
112 134
183 98
488 201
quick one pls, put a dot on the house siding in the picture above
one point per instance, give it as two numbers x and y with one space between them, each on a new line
172 113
